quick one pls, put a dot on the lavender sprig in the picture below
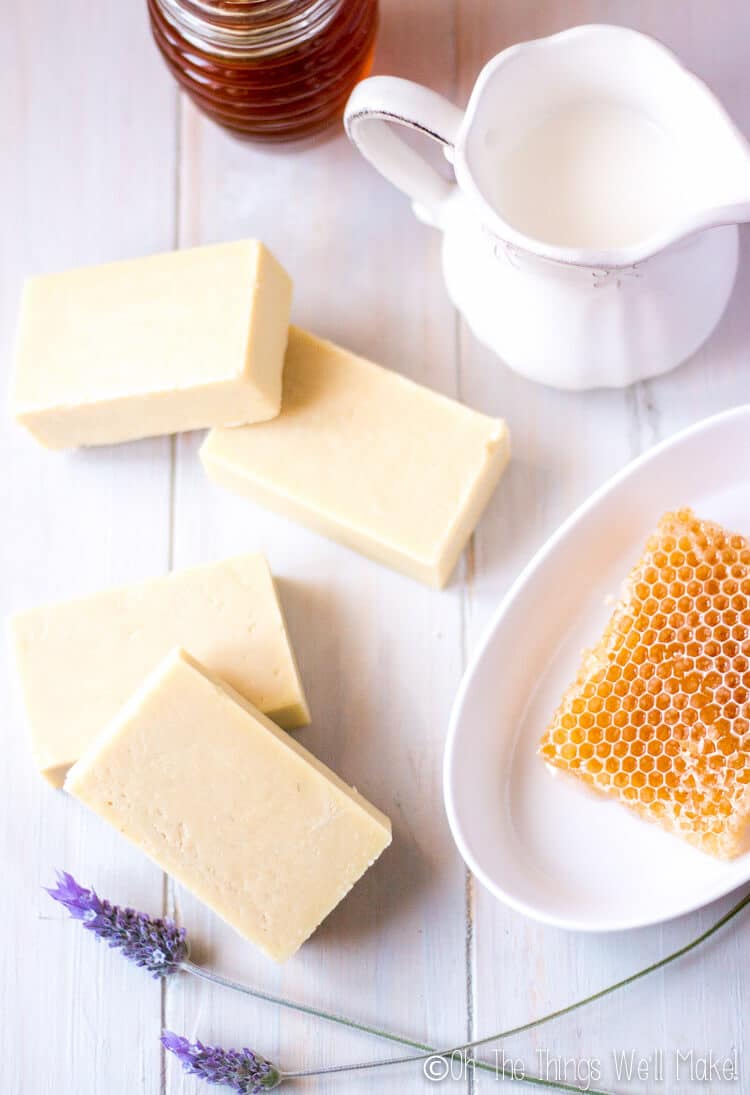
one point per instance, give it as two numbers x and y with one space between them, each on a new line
238 1069
126 928
157 944
87 907
247 1072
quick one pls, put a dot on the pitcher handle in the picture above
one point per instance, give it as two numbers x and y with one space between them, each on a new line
381 101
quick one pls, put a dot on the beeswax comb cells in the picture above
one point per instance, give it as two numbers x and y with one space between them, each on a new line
658 716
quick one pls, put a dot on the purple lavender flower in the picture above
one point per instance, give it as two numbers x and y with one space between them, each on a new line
156 943
238 1069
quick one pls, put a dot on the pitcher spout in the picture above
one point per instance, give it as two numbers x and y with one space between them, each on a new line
620 150
721 185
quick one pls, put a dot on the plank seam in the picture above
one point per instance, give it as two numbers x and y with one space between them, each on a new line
167 892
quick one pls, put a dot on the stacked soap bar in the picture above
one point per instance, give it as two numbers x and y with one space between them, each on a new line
367 457
80 660
228 804
178 755
178 341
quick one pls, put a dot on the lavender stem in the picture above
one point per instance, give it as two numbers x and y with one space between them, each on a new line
460 1050
485 1066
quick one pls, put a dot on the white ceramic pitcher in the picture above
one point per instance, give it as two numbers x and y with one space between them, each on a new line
573 316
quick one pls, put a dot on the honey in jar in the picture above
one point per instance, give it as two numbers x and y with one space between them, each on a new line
271 70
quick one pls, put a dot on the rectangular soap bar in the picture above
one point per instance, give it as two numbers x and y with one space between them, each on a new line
230 806
179 341
80 660
367 457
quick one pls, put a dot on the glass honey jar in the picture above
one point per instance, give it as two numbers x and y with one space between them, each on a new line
271 70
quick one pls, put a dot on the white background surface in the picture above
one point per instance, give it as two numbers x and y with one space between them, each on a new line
104 160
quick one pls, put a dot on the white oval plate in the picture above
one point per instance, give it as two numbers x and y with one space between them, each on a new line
544 845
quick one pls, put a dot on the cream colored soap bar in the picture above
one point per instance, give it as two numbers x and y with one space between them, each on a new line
174 342
79 661
230 806
366 457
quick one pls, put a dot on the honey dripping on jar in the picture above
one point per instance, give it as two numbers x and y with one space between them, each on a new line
270 70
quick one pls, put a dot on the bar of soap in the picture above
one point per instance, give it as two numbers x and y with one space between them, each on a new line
230 806
367 457
79 661
179 341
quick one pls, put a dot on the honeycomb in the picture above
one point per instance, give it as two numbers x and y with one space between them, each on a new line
659 715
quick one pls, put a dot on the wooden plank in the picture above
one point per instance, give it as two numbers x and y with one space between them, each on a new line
565 445
87 124
380 656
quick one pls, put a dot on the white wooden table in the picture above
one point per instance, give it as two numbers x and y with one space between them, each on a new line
103 159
